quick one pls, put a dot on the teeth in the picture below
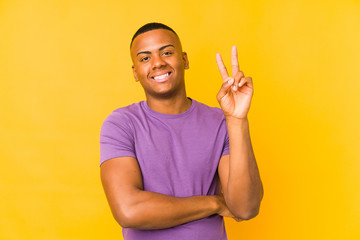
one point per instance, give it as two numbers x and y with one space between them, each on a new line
161 77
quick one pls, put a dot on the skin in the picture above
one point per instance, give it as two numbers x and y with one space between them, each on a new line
238 172
154 53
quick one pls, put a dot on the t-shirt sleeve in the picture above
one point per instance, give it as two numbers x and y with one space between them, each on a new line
116 138
226 149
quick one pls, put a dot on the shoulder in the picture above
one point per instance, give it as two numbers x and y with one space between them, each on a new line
122 117
124 114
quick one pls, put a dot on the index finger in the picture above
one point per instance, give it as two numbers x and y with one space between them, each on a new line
222 68
234 61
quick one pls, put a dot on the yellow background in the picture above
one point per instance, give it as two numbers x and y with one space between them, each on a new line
65 65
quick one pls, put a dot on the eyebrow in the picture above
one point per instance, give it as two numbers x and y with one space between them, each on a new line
148 52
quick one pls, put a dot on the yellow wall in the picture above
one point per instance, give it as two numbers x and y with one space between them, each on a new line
65 65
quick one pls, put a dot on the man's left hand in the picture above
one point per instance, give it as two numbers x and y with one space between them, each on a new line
236 92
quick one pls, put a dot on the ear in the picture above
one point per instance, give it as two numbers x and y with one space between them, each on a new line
134 72
186 61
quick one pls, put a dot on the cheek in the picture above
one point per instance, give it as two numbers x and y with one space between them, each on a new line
142 72
178 64
181 66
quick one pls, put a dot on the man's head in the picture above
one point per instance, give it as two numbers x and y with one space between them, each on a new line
158 61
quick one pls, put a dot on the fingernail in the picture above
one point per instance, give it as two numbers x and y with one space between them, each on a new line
230 81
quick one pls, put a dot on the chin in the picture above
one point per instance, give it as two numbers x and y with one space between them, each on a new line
162 94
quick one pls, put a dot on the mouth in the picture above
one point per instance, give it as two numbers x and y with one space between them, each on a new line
162 78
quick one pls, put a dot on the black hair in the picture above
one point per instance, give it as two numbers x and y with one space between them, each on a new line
151 26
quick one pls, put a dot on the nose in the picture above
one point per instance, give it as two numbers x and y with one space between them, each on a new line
158 61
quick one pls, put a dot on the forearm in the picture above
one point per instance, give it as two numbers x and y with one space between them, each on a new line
150 210
244 189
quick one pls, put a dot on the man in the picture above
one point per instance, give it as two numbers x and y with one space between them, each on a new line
165 161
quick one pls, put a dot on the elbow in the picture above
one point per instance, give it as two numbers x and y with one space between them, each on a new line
248 212
123 221
247 215
127 212
124 217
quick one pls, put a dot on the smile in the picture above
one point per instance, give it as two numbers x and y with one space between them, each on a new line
162 78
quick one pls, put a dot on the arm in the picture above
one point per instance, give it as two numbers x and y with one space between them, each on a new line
132 207
239 174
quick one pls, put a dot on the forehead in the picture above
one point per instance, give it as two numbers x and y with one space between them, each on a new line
153 40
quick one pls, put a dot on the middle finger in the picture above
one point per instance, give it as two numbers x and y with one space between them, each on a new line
234 61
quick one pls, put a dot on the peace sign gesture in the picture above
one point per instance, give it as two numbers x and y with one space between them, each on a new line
236 92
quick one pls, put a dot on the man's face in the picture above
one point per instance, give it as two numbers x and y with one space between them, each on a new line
159 63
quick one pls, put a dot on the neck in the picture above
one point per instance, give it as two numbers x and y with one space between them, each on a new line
174 105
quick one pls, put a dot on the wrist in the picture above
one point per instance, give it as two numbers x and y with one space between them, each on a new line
237 121
216 204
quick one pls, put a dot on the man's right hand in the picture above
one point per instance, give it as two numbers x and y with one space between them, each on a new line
223 209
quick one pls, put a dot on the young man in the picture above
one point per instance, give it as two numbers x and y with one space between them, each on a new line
172 167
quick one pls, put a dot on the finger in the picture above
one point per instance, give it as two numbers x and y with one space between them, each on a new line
238 76
224 88
236 83
247 81
234 61
222 68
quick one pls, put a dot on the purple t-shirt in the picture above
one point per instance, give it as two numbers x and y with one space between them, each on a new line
178 155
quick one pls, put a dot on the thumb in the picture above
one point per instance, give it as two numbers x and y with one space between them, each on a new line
224 87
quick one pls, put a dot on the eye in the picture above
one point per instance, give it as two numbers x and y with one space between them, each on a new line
144 59
167 53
